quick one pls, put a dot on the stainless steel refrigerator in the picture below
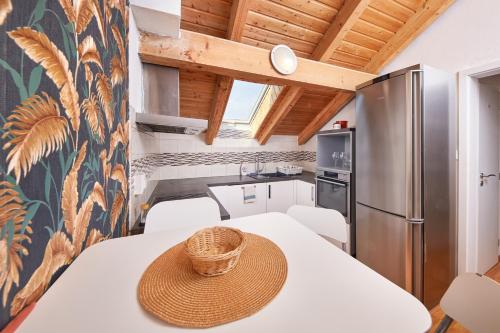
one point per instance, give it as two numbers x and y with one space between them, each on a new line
406 179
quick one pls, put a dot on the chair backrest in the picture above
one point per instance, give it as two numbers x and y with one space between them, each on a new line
325 222
175 214
474 301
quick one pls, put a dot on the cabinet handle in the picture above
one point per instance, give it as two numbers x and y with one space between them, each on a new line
312 193
269 192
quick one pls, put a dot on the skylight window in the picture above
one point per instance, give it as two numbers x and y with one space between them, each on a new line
243 101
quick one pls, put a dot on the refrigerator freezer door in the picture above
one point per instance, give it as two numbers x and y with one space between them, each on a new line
381 127
384 243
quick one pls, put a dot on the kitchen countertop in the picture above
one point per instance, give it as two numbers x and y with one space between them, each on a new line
184 188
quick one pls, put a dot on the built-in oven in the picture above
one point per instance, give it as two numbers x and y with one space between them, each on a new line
334 191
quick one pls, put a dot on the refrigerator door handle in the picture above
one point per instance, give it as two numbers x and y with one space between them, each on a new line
414 137
414 183
330 182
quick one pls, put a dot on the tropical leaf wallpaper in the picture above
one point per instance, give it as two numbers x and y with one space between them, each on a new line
64 135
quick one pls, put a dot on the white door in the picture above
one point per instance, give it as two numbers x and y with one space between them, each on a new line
231 197
305 193
280 196
487 236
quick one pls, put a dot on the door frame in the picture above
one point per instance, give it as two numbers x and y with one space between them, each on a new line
468 164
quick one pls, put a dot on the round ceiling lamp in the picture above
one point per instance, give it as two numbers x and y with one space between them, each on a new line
283 59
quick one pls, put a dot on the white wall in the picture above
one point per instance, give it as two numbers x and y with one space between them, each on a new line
172 7
157 143
158 16
466 35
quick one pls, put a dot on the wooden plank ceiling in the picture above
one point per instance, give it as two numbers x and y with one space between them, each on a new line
360 35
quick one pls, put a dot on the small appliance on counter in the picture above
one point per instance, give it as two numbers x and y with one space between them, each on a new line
335 185
340 124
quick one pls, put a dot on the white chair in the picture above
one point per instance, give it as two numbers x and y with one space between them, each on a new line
328 223
474 301
175 214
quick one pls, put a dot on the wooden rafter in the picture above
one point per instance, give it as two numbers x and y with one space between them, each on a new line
343 22
341 25
424 16
199 52
237 20
239 12
219 103
285 102
340 100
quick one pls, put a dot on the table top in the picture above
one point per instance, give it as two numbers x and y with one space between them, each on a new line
326 289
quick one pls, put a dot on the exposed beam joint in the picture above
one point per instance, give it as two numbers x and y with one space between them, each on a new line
199 52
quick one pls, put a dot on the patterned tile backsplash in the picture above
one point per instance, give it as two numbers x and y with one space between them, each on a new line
147 164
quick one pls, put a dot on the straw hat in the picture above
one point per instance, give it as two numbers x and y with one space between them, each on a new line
172 291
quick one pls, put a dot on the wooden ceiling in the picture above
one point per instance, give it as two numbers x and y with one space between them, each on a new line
356 34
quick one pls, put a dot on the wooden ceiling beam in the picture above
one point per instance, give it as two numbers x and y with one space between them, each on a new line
237 20
424 16
285 102
199 52
341 25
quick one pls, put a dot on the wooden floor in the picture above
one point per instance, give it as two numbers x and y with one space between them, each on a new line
437 314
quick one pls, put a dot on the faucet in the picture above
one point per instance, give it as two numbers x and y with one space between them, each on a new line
241 168
258 170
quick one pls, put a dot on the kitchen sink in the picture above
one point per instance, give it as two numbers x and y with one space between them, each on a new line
267 175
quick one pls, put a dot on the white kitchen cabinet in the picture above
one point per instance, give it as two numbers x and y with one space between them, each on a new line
280 196
305 193
231 197
270 197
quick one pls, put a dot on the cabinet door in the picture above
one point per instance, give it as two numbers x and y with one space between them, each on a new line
280 196
231 197
306 193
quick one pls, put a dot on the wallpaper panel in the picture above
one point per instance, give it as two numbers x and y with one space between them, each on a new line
64 137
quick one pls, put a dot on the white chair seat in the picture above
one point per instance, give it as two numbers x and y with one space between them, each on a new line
169 215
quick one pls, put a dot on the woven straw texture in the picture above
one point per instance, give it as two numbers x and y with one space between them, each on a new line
215 251
171 290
